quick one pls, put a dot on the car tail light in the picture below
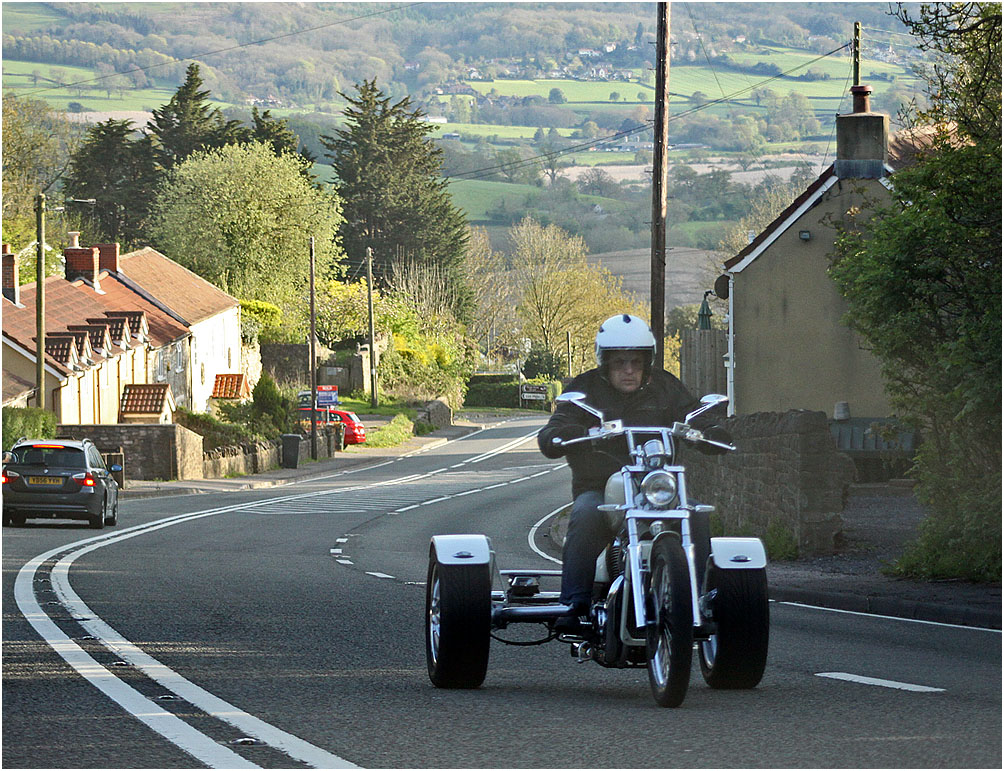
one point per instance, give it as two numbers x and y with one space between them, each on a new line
9 475
85 479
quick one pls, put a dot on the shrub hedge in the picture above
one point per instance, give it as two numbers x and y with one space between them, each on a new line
27 421
503 391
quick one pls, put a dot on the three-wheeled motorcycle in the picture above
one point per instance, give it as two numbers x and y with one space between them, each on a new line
664 584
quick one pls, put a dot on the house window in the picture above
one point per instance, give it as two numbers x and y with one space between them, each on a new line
202 373
160 364
179 357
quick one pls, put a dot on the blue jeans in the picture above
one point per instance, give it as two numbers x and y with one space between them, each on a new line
589 532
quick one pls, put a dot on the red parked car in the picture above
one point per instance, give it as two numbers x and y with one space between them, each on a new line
355 431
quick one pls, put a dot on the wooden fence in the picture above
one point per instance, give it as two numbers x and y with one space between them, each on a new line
702 366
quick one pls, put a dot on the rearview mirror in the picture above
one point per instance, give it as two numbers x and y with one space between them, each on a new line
708 401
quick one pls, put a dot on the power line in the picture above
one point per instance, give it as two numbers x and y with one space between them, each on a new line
175 60
489 170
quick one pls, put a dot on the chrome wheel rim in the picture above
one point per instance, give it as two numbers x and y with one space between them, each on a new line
709 650
434 618
660 658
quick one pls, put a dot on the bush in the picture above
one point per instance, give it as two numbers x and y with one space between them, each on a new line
398 430
493 394
541 362
215 433
27 421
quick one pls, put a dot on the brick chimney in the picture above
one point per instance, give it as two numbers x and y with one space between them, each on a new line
108 257
81 261
11 284
862 139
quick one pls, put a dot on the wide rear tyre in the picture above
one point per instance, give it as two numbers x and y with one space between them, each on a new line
458 612
670 640
736 655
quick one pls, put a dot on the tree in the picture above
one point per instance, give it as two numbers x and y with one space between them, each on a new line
559 292
556 96
188 123
494 318
37 145
596 181
119 173
922 278
964 84
387 174
277 134
215 216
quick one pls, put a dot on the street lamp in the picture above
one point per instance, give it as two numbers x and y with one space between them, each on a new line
40 291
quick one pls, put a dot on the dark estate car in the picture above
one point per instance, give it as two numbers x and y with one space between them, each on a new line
58 479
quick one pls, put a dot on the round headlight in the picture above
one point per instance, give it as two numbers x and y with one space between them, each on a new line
659 489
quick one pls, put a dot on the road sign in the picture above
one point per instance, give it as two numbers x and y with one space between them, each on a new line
533 392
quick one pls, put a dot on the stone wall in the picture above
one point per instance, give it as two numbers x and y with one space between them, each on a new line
437 412
288 362
152 451
238 460
786 476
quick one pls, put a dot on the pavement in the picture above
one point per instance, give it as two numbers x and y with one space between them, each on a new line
879 522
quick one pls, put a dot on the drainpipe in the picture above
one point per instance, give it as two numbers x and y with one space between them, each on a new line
730 375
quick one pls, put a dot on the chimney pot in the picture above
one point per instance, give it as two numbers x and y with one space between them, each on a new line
74 236
862 98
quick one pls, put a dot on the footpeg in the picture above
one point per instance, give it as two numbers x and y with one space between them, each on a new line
582 651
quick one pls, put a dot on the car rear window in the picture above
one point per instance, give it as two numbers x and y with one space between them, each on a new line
61 457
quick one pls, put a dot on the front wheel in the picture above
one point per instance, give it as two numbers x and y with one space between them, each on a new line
458 610
670 639
736 655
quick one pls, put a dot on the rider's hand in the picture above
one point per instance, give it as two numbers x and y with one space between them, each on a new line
715 434
570 431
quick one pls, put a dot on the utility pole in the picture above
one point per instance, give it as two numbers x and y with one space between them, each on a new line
659 176
40 301
568 349
373 353
857 53
313 361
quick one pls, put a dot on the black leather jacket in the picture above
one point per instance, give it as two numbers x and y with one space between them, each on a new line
661 401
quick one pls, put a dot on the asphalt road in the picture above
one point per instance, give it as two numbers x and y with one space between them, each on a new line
296 615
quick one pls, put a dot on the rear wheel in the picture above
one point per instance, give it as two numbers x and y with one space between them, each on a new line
458 613
97 521
736 655
18 520
670 639
113 518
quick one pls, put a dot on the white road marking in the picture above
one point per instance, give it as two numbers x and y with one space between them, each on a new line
890 618
878 681
335 551
195 743
531 537
341 540
205 749
378 575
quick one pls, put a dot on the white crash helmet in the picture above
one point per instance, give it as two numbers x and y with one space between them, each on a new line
624 333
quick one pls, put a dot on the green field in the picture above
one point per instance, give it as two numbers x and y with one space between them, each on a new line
22 18
18 79
476 196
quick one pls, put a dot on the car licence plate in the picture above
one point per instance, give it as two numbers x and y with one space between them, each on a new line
45 480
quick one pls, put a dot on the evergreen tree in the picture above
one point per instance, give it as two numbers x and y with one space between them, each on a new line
188 123
387 175
119 172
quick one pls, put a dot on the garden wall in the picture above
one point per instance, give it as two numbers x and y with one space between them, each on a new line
786 482
152 450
